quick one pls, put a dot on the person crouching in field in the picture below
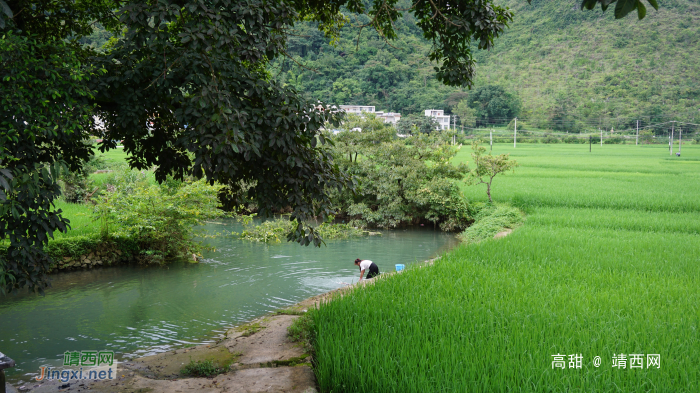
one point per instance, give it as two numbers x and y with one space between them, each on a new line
371 267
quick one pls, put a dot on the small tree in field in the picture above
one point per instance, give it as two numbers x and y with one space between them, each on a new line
487 167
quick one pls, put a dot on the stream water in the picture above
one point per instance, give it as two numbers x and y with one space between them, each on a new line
137 311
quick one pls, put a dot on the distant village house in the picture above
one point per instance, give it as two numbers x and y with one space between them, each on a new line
439 115
388 117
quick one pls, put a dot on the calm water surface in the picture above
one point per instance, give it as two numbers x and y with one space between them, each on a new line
137 311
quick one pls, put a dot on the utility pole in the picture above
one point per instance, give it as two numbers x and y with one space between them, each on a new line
637 141
601 136
670 143
454 136
515 133
680 138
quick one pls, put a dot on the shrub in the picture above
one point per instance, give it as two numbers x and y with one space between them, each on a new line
77 187
275 231
161 219
491 220
574 139
614 140
486 167
401 181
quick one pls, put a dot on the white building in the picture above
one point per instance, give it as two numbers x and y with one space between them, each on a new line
439 115
388 117
357 109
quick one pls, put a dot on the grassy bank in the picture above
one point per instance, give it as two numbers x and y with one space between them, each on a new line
82 220
607 263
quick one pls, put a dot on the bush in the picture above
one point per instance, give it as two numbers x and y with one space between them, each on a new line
77 187
613 140
161 219
74 251
550 139
522 126
275 231
573 139
491 220
402 181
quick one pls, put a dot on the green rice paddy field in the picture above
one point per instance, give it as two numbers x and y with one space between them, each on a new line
606 263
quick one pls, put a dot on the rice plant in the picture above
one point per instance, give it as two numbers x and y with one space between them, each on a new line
607 263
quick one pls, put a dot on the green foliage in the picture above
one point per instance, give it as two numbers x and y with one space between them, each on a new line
274 231
551 139
368 122
647 136
402 181
188 90
302 329
202 368
466 114
113 250
81 219
486 167
490 221
77 186
493 104
249 329
271 231
606 259
159 218
414 124
614 140
73 246
41 82
522 126
562 63
622 7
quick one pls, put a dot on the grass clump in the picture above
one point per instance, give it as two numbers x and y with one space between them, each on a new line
301 330
295 361
290 311
202 368
250 329
490 221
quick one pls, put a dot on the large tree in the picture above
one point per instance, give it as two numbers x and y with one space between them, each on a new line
493 104
184 84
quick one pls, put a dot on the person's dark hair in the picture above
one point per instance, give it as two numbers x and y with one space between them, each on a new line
358 260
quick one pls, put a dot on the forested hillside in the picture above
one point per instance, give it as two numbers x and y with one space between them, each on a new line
572 70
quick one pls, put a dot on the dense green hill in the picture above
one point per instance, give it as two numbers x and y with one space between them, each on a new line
566 65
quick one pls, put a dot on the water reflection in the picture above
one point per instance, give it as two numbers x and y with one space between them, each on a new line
137 311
